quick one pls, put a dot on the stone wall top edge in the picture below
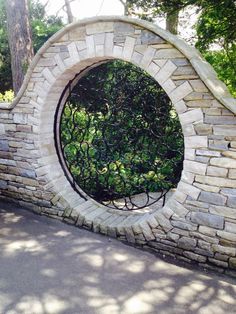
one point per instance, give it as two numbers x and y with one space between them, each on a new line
204 69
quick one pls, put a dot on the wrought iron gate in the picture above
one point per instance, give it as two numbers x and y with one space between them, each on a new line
118 137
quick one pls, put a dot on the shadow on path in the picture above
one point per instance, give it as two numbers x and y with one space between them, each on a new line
50 267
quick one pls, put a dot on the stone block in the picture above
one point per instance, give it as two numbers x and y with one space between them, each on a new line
232 173
187 243
90 46
218 263
216 181
188 129
189 189
146 231
223 211
124 28
232 203
195 257
187 177
216 171
223 120
229 154
229 130
20 118
180 106
165 72
189 154
163 221
203 103
3 185
209 220
232 262
171 53
178 209
48 75
218 144
128 48
147 57
198 86
204 245
168 86
2 129
99 27
207 188
149 38
28 173
99 50
203 129
196 142
228 192
227 235
195 167
197 204
136 58
230 251
212 198
74 54
4 146
180 92
184 225
191 116
7 162
130 235
78 33
223 162
117 52
230 227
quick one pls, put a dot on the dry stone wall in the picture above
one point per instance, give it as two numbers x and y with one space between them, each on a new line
198 223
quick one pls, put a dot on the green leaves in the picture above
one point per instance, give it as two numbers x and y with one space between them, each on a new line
120 133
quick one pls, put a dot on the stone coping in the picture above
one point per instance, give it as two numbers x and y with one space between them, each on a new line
203 68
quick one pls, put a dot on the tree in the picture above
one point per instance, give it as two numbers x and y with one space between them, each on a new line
216 29
43 27
216 25
154 8
125 4
69 12
20 40
66 7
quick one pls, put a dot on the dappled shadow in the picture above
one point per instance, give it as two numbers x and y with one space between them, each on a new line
51 267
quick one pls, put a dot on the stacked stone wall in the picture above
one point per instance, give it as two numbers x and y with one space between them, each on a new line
199 221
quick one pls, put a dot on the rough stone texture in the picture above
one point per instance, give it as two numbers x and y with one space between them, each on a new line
199 221
206 219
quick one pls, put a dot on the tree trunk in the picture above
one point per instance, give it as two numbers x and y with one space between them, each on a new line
20 39
69 12
126 6
172 19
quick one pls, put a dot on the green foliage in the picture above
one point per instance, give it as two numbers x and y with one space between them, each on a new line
217 26
120 133
7 96
5 59
43 27
223 66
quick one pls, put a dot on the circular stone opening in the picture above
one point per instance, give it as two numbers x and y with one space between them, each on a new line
118 137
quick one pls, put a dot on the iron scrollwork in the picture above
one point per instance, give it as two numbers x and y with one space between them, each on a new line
119 137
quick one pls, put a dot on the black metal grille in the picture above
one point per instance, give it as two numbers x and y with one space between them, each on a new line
119 138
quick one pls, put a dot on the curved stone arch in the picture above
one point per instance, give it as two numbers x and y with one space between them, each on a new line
202 206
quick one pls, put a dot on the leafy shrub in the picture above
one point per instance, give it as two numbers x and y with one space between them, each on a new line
120 133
